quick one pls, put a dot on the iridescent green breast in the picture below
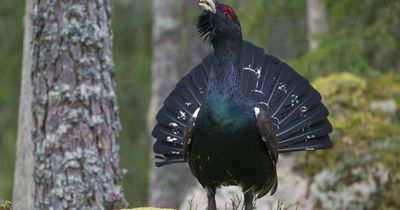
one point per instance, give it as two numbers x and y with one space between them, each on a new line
220 113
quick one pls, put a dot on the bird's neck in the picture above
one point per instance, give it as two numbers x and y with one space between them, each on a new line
225 74
227 50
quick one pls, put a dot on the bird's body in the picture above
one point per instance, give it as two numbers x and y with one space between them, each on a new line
229 150
232 114
226 147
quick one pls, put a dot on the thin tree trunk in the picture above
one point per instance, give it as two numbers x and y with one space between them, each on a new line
175 50
317 19
24 189
75 115
167 183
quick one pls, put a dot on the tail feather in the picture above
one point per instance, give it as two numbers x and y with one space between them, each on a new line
249 59
294 106
310 145
302 120
301 96
188 95
167 160
164 148
300 111
277 90
179 108
291 99
168 120
168 135
314 132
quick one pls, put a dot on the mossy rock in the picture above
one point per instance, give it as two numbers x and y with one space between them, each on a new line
350 99
365 116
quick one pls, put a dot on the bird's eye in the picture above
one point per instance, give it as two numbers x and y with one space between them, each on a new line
228 15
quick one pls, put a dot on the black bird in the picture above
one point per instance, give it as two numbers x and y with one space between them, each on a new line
231 115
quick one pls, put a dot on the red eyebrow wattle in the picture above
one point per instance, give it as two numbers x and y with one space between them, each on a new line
228 10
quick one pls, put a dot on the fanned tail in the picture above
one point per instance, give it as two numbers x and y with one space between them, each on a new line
179 106
294 106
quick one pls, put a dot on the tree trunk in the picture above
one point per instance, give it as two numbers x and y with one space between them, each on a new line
24 189
175 51
75 116
317 19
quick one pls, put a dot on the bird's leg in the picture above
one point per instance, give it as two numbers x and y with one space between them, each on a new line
212 205
248 200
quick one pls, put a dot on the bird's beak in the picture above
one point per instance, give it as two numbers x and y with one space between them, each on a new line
208 5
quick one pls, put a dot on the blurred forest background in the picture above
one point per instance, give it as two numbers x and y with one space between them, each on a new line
356 67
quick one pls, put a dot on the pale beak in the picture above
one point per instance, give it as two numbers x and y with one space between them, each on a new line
208 5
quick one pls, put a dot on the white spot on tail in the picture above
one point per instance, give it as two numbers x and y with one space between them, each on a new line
303 111
294 100
174 127
172 124
256 71
257 91
282 87
182 115
171 139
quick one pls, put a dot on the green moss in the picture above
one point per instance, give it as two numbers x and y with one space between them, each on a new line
5 205
364 113
343 88
386 86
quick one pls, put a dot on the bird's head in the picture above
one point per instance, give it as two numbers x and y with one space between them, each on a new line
218 21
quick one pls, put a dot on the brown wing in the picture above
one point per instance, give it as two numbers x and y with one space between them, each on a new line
268 135
187 138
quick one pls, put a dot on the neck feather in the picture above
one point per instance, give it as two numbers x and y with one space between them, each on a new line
225 74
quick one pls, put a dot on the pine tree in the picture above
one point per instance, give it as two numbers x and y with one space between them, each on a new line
75 123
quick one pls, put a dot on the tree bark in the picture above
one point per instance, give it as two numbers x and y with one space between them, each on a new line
24 189
175 51
317 19
75 115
